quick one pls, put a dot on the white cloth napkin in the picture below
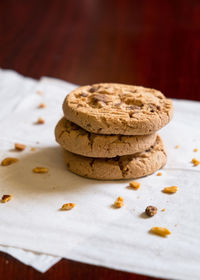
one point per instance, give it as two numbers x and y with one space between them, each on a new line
12 89
93 231
40 262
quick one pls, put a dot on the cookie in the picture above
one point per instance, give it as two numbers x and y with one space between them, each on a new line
124 167
79 141
118 109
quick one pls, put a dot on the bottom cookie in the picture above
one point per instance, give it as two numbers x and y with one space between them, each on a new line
124 167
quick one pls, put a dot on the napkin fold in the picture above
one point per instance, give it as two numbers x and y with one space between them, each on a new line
40 262
93 231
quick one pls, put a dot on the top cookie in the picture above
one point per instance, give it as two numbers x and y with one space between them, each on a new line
108 108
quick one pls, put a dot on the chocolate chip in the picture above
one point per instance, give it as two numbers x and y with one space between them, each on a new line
100 98
74 126
151 211
116 158
92 162
92 89
84 94
152 108
133 107
133 91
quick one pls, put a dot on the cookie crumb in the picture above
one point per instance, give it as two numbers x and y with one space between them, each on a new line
134 185
163 210
42 105
177 147
32 149
161 231
159 174
195 161
40 92
172 189
119 202
195 150
8 161
6 197
40 169
68 206
151 211
40 121
20 147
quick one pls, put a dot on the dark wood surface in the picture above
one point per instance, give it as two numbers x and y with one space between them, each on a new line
148 42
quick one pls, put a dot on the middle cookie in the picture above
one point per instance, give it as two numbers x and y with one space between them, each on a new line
79 141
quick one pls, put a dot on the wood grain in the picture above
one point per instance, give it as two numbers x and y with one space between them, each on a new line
11 269
152 43
148 42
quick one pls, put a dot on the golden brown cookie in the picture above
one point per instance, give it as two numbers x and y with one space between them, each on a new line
124 167
79 141
118 109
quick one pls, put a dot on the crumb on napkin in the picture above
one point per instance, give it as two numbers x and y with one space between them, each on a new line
195 161
68 206
20 147
40 92
6 197
119 202
172 189
41 106
161 231
8 161
134 185
177 146
40 121
40 169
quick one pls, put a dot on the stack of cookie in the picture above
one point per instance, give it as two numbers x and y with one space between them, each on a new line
109 131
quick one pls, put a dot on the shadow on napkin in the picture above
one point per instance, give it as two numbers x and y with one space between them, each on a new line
20 177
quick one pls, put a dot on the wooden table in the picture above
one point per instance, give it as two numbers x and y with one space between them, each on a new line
144 42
